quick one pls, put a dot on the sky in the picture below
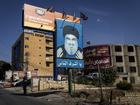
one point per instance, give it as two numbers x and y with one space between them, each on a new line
109 21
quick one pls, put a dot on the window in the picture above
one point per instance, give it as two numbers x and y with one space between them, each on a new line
26 46
39 47
39 39
47 64
47 42
130 49
26 38
47 49
131 59
120 69
39 62
47 57
132 80
118 48
119 59
124 78
132 69
36 69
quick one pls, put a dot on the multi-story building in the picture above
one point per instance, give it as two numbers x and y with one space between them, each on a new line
125 58
33 51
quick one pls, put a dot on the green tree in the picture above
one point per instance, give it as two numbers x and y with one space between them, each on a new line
108 76
4 66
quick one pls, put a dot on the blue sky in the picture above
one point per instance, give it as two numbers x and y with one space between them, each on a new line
109 21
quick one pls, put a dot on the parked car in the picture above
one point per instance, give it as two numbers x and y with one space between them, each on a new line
5 84
21 82
17 82
93 75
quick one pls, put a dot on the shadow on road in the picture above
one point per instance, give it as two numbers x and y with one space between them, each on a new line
37 94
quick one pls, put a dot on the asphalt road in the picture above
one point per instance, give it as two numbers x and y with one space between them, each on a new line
9 98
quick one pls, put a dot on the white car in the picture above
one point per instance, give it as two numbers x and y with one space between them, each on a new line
93 75
18 81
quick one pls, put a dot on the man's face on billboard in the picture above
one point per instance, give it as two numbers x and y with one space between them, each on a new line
71 44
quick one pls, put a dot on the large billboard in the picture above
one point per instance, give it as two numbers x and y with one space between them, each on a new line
41 18
69 44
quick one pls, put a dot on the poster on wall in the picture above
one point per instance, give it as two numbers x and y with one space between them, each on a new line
69 44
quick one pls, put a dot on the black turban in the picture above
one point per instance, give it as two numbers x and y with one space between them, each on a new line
70 30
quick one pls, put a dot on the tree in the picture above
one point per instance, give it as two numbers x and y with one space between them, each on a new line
108 76
4 66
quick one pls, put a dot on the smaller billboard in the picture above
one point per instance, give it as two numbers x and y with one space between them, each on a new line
42 18
95 55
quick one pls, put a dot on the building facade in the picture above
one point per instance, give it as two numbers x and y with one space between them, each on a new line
33 51
125 58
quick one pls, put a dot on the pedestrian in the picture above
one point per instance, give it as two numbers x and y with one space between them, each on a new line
24 85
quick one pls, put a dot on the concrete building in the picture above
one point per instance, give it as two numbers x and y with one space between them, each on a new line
125 58
33 51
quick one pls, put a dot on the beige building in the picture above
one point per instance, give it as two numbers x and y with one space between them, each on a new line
33 51
126 58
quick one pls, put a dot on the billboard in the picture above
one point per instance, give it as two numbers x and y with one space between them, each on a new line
41 18
95 55
69 44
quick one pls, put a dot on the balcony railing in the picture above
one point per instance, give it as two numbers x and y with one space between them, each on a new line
49 59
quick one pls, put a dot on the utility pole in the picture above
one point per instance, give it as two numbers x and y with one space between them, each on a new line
100 83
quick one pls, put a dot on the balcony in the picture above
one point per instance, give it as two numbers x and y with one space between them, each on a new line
49 59
122 73
50 45
49 39
49 53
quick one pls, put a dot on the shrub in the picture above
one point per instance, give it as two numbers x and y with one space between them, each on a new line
123 85
84 80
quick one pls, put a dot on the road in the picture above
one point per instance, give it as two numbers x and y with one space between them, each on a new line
8 98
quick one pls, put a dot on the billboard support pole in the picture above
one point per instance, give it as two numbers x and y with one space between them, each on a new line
70 81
